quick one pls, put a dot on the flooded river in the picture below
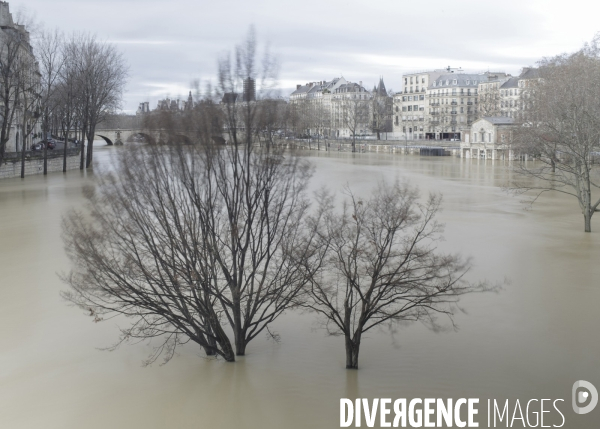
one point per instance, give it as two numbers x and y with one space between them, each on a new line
534 339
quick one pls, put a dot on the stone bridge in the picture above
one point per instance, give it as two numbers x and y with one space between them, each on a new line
119 129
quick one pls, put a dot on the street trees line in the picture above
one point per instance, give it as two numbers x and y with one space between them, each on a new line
199 241
62 83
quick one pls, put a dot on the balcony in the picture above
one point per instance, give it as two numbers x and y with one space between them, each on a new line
469 103
435 113
454 112
434 104
421 119
454 103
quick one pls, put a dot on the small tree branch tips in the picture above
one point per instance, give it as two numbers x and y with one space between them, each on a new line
381 266
562 130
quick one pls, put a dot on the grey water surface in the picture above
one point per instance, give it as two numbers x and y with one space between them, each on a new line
534 339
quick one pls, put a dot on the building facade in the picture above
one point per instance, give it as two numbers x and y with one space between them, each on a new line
19 60
336 108
488 138
410 106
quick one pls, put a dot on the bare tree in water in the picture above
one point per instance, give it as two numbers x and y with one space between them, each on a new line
195 242
562 130
381 266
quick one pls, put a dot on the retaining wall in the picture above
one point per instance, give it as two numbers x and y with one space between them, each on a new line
36 166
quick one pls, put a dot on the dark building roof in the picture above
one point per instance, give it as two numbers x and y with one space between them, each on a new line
529 73
462 79
513 82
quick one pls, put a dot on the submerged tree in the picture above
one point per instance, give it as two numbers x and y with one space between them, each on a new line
381 266
195 242
187 240
562 130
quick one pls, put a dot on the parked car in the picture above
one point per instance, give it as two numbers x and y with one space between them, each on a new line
37 146
50 144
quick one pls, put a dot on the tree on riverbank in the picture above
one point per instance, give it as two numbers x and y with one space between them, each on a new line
102 73
562 130
12 47
51 58
381 265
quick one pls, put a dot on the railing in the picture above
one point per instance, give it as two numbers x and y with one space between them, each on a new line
38 154
454 112
454 103
469 103
434 104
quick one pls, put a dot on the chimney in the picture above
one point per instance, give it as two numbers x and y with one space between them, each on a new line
298 86
360 82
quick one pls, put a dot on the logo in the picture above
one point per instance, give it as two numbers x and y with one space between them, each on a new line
585 397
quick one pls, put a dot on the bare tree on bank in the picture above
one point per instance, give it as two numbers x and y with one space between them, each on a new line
562 130
381 109
28 82
381 265
355 116
102 72
68 95
51 58
11 48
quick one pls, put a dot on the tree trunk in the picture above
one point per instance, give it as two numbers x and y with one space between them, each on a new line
65 152
587 216
23 154
240 334
90 152
352 349
81 159
44 136
222 339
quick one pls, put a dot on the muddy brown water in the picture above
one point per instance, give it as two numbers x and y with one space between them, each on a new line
532 340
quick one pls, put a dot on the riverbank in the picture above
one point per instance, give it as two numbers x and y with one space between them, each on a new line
35 164
384 146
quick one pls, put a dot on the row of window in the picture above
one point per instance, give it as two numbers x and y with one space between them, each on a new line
413 98
507 92
454 82
442 92
416 80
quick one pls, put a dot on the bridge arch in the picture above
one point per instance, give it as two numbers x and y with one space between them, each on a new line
148 138
108 141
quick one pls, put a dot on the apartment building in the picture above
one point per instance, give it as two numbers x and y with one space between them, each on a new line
350 110
335 108
18 60
503 94
410 105
452 104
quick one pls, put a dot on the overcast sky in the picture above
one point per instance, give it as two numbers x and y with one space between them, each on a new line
168 44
